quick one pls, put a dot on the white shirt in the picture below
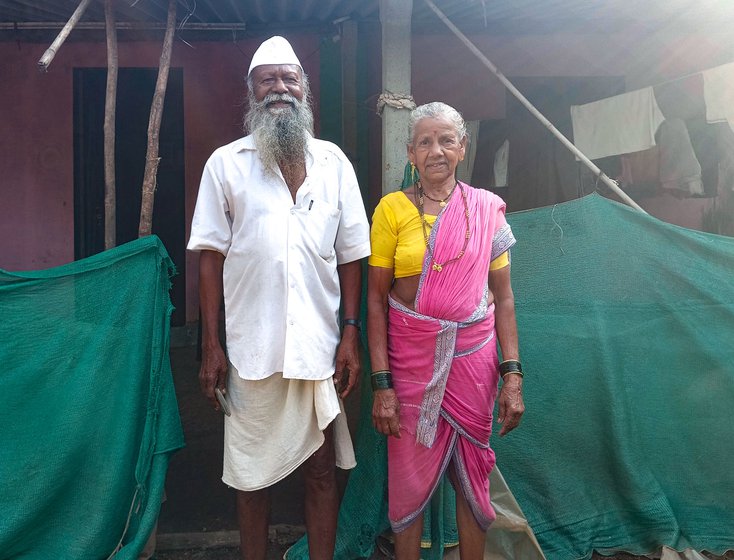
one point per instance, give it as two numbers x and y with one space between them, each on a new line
281 288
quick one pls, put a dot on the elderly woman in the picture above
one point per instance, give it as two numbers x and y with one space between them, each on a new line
438 294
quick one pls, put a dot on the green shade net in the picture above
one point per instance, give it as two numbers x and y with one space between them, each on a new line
626 330
87 406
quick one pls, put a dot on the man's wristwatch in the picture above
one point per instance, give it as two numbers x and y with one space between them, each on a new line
354 322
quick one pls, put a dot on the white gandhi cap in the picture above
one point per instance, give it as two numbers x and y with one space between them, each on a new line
276 50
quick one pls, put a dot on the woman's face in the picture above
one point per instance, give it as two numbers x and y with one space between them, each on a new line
436 149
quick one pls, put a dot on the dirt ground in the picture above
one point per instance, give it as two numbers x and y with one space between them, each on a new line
208 554
224 553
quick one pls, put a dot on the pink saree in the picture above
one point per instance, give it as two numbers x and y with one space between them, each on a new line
443 357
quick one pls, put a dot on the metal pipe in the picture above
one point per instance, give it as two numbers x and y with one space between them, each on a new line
537 114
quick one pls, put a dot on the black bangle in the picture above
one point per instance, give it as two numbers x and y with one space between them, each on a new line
510 366
381 380
354 322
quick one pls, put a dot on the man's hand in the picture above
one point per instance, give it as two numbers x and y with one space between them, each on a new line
386 412
348 368
213 373
511 404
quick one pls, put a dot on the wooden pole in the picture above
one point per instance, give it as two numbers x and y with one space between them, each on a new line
110 110
530 107
50 53
154 126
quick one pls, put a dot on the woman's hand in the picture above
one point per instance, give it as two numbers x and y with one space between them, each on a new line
511 404
386 412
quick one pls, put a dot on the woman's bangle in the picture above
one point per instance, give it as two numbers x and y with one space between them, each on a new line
381 379
510 366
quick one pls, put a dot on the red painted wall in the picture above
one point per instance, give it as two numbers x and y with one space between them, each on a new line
36 138
36 161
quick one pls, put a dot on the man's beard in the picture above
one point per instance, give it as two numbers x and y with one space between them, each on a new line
281 135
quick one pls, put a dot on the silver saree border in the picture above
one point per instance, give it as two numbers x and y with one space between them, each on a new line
444 354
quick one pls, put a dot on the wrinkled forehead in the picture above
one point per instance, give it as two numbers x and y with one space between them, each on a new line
276 70
434 125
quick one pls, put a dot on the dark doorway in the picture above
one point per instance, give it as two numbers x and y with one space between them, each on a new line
134 95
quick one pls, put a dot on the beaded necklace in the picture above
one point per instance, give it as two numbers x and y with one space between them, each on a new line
437 266
441 202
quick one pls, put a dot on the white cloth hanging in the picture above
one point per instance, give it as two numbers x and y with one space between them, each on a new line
680 170
617 125
501 162
718 93
465 169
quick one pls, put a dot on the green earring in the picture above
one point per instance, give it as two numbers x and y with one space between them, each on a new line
410 175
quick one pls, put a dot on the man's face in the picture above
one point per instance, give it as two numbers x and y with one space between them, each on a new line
277 79
278 113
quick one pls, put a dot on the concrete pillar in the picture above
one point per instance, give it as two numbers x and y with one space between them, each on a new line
349 89
395 18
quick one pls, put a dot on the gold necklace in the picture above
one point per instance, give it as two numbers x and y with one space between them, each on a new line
437 266
441 202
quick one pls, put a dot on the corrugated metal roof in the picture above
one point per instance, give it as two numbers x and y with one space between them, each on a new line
467 13
197 11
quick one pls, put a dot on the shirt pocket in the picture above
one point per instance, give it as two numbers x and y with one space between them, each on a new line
322 226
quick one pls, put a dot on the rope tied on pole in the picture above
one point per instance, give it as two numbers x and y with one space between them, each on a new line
395 100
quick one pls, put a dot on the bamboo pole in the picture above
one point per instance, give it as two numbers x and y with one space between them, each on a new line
530 107
110 110
154 126
50 53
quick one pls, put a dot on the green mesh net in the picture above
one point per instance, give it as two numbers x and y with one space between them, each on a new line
87 406
626 331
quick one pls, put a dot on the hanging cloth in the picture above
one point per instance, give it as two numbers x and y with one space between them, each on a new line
718 92
680 170
616 125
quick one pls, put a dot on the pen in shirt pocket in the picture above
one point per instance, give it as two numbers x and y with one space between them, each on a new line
310 204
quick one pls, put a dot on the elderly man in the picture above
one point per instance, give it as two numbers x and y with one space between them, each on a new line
281 227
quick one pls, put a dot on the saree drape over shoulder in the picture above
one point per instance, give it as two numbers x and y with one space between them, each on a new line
443 357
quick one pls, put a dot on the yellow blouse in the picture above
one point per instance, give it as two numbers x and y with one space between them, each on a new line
397 237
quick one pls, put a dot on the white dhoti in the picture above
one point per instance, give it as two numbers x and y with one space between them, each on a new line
276 424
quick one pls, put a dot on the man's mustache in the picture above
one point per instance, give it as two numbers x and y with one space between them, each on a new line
272 98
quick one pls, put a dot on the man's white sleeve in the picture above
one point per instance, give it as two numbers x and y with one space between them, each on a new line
211 227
